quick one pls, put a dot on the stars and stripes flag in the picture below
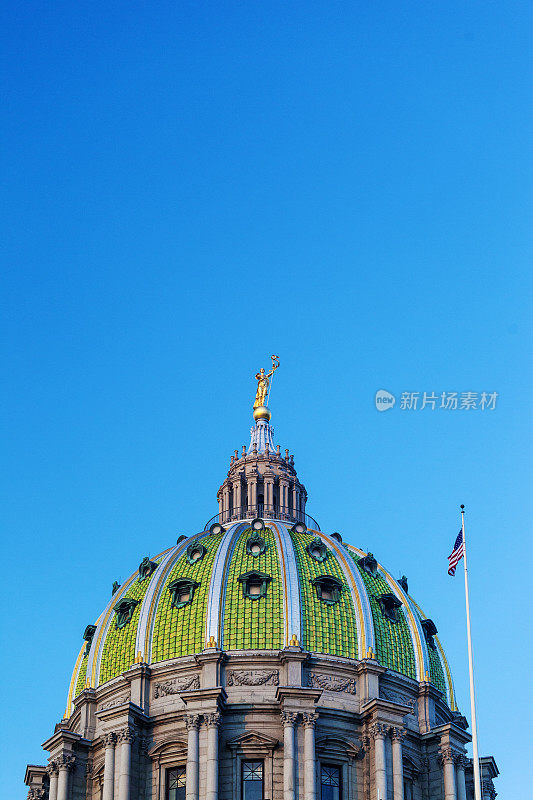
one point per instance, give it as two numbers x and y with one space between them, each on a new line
456 554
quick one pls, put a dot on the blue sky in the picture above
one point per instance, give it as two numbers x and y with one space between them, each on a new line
187 190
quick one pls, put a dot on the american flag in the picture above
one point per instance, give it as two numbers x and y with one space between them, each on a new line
456 554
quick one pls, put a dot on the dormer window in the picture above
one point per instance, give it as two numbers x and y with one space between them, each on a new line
182 592
430 630
390 606
254 584
124 610
195 552
255 545
146 567
317 550
88 634
328 589
369 564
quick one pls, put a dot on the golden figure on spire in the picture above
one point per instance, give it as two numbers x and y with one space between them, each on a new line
263 383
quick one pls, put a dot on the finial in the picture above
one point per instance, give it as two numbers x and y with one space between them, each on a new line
294 641
138 658
211 644
462 506
260 409
88 684
243 451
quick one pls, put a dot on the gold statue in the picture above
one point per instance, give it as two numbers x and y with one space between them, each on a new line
263 382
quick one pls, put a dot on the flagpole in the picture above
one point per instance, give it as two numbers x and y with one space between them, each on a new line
477 779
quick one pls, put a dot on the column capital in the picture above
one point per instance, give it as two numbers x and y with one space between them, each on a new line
447 755
398 734
126 734
192 721
65 761
309 719
36 794
212 720
109 739
461 761
288 717
52 768
378 730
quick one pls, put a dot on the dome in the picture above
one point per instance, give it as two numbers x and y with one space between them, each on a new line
240 587
259 657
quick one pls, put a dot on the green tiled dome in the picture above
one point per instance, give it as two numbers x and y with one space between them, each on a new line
249 590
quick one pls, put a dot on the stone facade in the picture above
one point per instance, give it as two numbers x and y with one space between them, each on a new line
210 712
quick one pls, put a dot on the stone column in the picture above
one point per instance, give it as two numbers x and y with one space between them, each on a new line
225 496
460 764
237 500
192 721
309 721
295 502
125 737
448 758
52 771
252 496
64 763
398 734
288 719
212 721
109 766
378 732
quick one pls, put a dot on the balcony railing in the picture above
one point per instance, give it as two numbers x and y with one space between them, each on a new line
262 510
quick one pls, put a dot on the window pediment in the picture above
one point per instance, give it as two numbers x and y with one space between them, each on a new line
182 591
390 606
124 610
146 567
254 584
328 588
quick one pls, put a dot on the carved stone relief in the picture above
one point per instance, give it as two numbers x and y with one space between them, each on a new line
331 682
396 697
116 701
260 677
175 687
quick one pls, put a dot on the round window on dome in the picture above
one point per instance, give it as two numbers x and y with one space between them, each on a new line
255 545
317 550
195 552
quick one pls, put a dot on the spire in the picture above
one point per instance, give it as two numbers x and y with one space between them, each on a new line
261 438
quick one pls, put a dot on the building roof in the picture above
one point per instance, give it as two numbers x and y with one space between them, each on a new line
195 595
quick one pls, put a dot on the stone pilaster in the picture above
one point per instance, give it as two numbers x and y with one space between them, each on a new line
110 740
378 732
125 737
398 735
192 722
65 763
288 719
448 764
52 770
212 720
309 720
460 765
